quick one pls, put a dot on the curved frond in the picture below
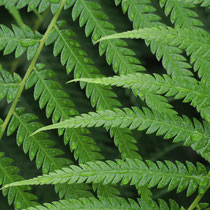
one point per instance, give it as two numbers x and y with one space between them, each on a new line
96 22
182 129
106 203
135 171
181 13
75 58
141 13
196 93
17 195
9 85
41 148
60 107
195 43
19 40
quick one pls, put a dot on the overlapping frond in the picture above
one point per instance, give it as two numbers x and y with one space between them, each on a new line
60 107
137 172
9 85
41 148
181 13
172 59
17 195
141 13
101 97
196 93
106 203
171 126
195 43
58 104
19 40
96 22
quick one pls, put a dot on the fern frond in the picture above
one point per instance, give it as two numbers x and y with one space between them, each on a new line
19 40
58 104
145 8
195 43
96 22
41 5
196 93
181 13
17 195
135 171
106 203
182 129
9 85
172 59
41 148
77 59
203 3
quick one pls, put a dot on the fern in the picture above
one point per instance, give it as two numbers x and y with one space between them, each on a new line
135 171
17 195
8 85
181 13
170 125
195 43
196 93
113 155
19 41
107 203
103 98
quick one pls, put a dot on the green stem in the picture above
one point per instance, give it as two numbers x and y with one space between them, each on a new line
16 15
30 69
197 200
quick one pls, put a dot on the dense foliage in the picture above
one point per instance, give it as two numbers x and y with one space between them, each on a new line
126 84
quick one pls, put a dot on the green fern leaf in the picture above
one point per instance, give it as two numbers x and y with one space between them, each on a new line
41 148
203 3
135 8
103 98
181 13
41 5
144 15
17 195
96 22
196 44
19 41
196 93
44 152
9 85
134 171
58 104
181 129
106 203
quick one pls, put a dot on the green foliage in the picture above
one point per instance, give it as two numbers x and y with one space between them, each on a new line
196 93
9 85
19 40
182 129
106 203
17 195
134 171
114 120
